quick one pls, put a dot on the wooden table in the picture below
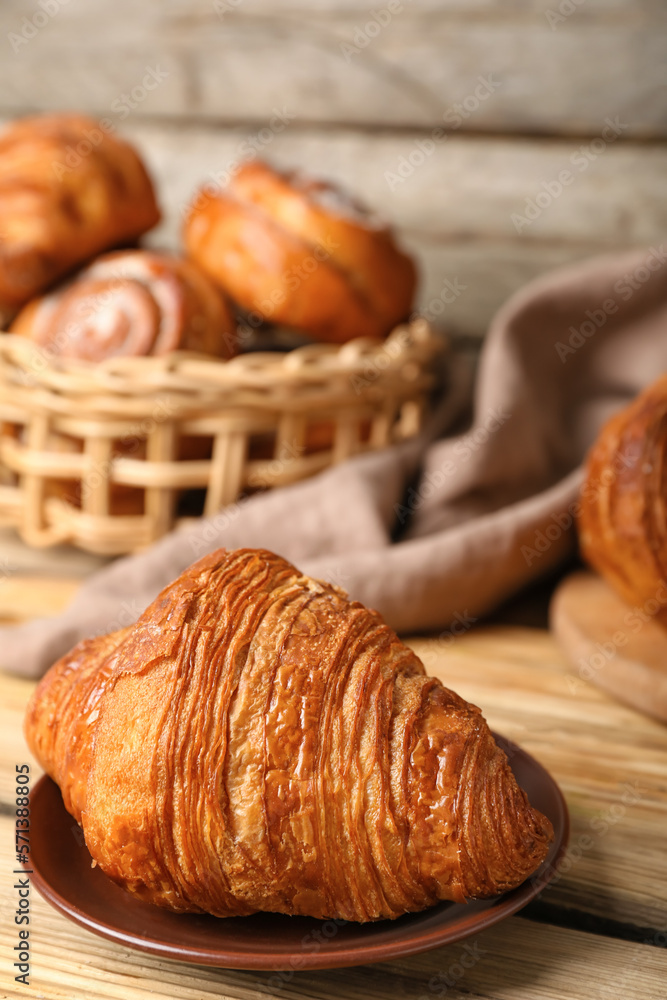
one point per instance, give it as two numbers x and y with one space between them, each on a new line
600 931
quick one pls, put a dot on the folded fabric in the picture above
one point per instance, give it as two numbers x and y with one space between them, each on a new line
477 516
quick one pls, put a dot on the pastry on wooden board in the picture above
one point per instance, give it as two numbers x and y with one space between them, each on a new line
257 741
296 251
623 517
68 191
131 302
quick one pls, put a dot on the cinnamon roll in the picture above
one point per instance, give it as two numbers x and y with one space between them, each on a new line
133 302
298 252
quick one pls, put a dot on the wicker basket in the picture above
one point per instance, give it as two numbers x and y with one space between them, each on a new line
98 455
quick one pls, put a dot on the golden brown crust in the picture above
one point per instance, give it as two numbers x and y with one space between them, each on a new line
623 517
263 743
298 253
68 190
132 302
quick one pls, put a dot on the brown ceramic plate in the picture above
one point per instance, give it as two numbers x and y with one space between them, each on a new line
63 875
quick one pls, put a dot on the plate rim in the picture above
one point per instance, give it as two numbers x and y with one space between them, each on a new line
360 954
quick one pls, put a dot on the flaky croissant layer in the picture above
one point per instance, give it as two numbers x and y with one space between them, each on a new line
257 741
623 514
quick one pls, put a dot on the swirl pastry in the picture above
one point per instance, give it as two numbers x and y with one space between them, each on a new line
257 741
68 190
131 302
623 516
297 252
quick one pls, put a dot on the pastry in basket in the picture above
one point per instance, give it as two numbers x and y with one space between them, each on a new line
131 302
68 191
623 517
298 252
257 741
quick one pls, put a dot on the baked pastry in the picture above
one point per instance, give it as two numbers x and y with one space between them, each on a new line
131 302
296 251
623 517
68 190
257 741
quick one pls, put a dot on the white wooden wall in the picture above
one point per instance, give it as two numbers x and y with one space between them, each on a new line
525 89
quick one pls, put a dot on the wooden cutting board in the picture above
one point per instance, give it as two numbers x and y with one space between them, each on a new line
618 647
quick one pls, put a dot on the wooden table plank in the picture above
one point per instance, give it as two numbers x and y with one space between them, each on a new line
222 61
466 186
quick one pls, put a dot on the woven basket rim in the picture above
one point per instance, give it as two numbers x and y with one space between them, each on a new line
318 366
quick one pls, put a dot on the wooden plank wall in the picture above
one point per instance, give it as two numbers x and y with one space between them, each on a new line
454 118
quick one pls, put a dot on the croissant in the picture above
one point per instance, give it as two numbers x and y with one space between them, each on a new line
623 513
298 252
131 302
68 190
257 741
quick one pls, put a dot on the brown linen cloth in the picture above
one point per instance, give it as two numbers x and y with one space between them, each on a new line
490 511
